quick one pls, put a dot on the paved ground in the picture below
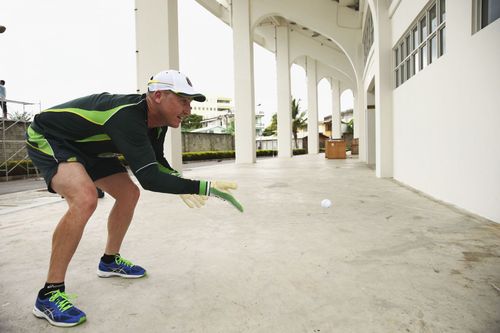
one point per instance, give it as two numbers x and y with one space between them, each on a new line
383 258
20 185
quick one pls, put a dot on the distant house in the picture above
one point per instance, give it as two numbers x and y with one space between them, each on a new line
325 126
217 129
271 142
218 115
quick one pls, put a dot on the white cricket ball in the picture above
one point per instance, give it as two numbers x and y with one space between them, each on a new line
325 203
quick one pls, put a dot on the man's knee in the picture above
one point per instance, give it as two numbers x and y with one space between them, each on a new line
84 202
132 193
128 194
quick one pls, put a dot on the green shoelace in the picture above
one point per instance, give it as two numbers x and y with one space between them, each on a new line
61 299
119 260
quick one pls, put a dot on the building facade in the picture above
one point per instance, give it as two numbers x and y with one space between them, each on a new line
218 116
422 72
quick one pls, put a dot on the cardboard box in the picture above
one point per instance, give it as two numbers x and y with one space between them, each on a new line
335 149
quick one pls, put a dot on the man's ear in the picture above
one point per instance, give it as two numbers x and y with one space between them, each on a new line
157 96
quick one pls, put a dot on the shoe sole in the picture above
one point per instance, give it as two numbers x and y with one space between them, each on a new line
111 274
40 314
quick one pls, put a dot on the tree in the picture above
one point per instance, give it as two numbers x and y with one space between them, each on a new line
230 127
299 119
273 127
191 122
349 125
21 116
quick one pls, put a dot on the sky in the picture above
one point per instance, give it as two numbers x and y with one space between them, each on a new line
57 50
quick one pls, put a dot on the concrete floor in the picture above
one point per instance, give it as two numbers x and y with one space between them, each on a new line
383 258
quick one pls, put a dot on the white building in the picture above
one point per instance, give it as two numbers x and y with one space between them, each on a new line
218 115
430 68
213 107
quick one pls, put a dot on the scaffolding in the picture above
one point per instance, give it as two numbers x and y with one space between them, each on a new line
13 154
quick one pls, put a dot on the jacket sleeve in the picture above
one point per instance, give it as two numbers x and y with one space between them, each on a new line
157 139
128 131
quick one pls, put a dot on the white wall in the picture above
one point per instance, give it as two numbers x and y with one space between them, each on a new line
447 117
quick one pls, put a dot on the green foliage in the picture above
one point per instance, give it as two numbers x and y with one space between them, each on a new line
350 125
299 119
267 152
21 116
214 155
207 155
299 151
230 127
272 129
191 122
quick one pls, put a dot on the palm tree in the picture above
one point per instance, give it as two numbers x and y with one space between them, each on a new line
299 119
273 127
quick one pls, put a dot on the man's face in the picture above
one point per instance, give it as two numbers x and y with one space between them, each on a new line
173 108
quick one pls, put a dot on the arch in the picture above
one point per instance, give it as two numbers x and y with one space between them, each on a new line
324 98
296 13
347 97
346 39
298 85
370 4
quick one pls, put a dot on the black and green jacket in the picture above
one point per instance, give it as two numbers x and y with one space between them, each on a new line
104 124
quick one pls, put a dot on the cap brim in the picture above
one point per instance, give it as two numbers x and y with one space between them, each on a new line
196 97
199 98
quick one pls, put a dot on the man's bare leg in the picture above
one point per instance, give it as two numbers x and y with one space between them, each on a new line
126 194
74 184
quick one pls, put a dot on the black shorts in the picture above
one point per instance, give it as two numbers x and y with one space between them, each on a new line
46 154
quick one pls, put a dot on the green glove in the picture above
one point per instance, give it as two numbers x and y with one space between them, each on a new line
220 189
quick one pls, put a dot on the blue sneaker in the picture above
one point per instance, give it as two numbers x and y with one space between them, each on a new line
120 267
58 310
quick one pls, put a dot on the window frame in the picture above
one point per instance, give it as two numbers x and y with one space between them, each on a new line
477 16
420 49
368 35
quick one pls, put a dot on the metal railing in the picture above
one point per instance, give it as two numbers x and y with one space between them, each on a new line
13 148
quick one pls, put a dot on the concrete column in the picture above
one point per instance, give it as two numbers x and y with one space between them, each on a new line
383 93
157 43
336 117
312 107
370 145
243 83
284 101
360 121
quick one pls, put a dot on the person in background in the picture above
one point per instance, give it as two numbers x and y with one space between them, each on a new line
3 96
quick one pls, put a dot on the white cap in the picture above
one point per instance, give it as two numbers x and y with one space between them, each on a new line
176 82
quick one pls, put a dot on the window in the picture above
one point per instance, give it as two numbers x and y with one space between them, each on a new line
368 35
415 63
415 39
442 40
423 29
433 49
422 43
485 12
423 56
442 10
